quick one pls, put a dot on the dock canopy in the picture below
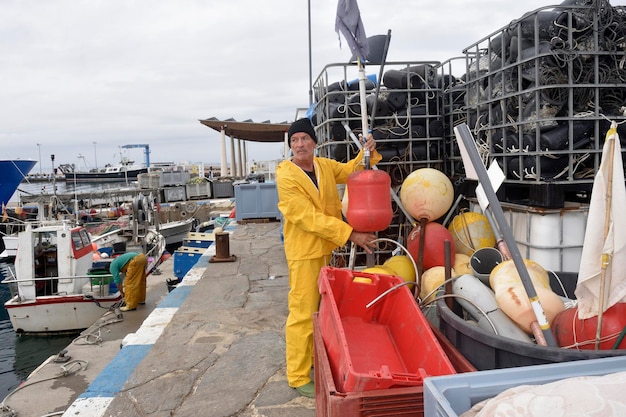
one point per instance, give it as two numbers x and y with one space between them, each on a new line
249 130
241 132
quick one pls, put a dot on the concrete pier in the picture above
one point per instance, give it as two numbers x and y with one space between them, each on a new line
214 346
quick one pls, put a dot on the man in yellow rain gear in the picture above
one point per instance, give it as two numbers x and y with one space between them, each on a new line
312 229
132 285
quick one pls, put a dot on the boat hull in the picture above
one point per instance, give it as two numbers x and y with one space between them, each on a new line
58 314
104 176
175 232
12 172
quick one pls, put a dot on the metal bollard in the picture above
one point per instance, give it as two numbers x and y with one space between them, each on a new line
222 248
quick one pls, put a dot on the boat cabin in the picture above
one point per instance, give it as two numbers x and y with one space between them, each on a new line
49 258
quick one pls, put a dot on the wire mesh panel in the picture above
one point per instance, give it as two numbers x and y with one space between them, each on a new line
538 96
408 124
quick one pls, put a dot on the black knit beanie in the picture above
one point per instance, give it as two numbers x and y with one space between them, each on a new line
301 125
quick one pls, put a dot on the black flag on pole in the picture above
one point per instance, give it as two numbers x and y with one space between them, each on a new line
350 25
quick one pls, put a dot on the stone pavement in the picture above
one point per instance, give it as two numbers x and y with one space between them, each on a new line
222 353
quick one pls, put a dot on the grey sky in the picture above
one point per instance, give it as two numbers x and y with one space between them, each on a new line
119 72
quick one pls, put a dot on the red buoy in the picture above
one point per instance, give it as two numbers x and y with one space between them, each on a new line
369 204
434 237
574 333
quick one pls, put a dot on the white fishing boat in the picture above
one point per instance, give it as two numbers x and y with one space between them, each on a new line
10 246
125 170
61 284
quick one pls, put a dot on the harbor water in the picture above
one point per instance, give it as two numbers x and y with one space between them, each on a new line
20 355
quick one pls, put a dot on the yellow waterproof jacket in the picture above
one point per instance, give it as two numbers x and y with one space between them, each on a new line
312 221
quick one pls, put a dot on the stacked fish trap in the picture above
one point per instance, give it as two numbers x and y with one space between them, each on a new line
408 126
538 95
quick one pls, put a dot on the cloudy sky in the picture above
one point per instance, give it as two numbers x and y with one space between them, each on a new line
118 72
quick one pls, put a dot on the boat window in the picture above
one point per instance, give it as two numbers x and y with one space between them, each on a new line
85 237
44 240
77 241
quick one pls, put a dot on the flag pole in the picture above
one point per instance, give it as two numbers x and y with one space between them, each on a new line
606 257
349 23
364 124
540 327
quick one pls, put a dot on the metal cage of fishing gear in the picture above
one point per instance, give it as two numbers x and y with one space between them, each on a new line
538 95
407 126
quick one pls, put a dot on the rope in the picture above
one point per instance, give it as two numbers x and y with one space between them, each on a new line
65 371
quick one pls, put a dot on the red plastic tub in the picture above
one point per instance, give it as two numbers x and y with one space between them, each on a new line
329 402
385 346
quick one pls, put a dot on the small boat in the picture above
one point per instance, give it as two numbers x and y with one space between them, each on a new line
176 231
125 170
61 285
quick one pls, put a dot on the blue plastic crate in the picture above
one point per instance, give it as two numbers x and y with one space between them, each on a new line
185 258
199 240
452 395
256 201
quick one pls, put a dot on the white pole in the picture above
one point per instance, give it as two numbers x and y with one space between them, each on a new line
365 129
40 168
95 154
223 172
233 164
240 168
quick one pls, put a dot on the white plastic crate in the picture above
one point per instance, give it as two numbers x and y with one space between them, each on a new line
175 178
551 237
452 395
150 180
176 193
200 190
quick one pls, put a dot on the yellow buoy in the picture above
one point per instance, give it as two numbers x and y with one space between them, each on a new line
431 279
461 264
505 274
402 266
426 193
376 269
379 269
471 231
512 298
